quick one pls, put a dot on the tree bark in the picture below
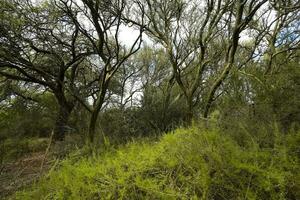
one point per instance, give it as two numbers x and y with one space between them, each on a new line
60 127
92 126
95 113
61 123
190 114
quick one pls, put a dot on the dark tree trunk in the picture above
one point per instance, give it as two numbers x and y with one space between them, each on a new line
92 126
95 113
64 112
61 123
166 105
207 108
190 115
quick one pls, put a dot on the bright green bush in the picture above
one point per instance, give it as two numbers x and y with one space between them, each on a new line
185 164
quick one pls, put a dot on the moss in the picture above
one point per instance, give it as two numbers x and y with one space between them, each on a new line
185 164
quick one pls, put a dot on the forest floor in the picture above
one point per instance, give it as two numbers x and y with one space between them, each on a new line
187 163
22 172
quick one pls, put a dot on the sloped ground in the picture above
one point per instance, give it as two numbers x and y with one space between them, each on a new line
21 173
187 164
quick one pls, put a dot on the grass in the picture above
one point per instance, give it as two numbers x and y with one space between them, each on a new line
185 164
14 148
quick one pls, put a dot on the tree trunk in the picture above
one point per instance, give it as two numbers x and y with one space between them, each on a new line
189 111
207 107
61 123
206 112
95 113
92 126
166 104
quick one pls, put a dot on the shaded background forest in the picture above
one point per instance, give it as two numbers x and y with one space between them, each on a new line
64 66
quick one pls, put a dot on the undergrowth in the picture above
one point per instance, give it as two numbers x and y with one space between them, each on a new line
13 148
185 164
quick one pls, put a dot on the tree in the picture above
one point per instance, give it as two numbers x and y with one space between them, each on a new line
242 19
161 101
189 32
39 45
101 27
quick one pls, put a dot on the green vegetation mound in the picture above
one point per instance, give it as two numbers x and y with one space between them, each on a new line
186 164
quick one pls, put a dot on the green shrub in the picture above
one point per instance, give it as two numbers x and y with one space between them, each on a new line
185 164
14 148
